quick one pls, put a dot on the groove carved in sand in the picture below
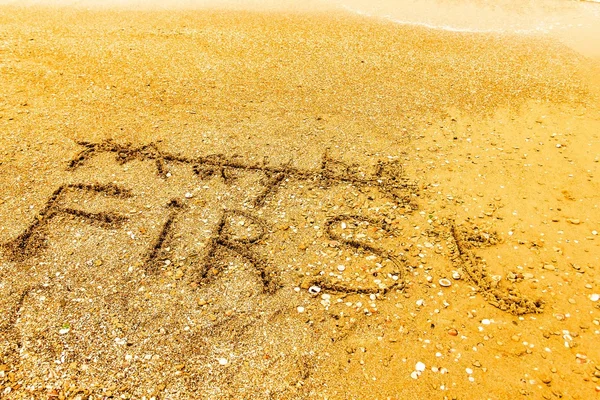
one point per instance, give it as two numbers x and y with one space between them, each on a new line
223 243
464 258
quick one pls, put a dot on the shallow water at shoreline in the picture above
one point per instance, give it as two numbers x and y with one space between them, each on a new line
575 24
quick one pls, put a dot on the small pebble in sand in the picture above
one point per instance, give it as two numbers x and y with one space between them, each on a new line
300 309
452 332
595 297
341 268
223 361
420 367
456 275
445 282
188 195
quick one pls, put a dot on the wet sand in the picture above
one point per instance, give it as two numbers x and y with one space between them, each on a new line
235 204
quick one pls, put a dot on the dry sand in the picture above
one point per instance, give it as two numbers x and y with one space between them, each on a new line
176 186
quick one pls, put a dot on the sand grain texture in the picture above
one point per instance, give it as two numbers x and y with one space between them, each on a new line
173 184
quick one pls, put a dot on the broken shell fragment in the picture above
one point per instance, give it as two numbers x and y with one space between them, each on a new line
445 282
314 289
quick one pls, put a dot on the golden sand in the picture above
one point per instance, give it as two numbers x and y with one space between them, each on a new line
261 205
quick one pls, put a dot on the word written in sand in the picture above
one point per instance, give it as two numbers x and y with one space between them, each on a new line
223 243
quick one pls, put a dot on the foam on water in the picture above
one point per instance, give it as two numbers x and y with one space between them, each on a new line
575 23
480 15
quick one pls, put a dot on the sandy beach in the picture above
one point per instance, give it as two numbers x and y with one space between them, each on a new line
239 204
